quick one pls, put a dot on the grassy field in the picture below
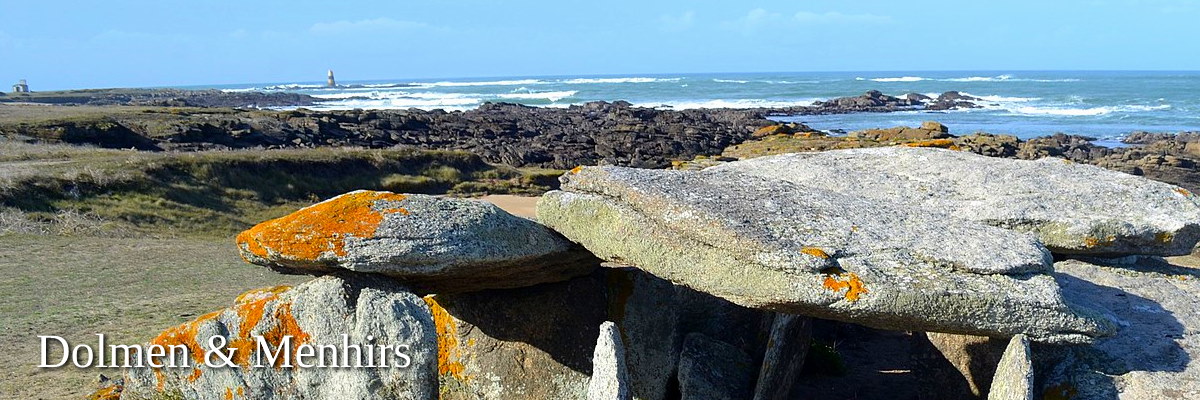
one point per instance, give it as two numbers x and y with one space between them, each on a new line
128 243
81 190
126 288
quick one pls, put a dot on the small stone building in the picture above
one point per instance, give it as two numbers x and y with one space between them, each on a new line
21 87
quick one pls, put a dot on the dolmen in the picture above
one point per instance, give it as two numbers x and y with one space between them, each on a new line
660 284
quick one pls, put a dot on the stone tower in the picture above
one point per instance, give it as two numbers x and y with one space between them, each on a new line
21 87
331 82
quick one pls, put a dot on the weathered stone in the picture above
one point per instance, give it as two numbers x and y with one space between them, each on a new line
534 342
1072 208
655 315
433 244
1154 354
337 310
771 244
712 369
954 367
1014 373
610 378
790 338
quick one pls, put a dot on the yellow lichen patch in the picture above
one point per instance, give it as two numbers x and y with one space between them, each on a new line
1185 192
283 325
853 285
184 335
941 143
107 393
228 394
1164 237
449 354
194 375
815 252
1092 241
321 228
575 170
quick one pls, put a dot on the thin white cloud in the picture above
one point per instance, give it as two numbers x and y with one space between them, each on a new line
834 17
376 24
759 19
753 21
677 23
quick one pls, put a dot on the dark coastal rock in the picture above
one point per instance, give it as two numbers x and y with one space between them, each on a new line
168 98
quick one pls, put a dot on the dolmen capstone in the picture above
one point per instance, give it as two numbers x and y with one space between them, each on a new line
776 245
1072 208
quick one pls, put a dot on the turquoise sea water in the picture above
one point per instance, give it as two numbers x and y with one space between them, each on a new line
1105 105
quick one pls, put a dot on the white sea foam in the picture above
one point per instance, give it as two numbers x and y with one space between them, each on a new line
981 79
552 96
1002 99
514 82
729 81
901 79
726 103
576 81
1084 112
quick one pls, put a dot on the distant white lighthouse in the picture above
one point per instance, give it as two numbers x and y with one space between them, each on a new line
331 82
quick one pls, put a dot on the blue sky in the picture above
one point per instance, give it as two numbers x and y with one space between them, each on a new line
115 43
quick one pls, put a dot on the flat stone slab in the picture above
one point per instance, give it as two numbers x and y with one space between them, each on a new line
1156 352
774 245
433 244
1072 208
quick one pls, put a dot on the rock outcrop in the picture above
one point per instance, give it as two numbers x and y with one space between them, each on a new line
340 310
775 245
1154 354
433 244
1014 373
610 376
1132 216
710 369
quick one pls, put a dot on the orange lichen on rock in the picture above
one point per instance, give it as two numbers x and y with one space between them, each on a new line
941 143
1184 192
449 354
1164 237
322 228
112 392
1092 241
853 285
575 170
251 309
815 252
261 293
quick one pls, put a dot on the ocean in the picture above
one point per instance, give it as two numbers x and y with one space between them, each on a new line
1106 105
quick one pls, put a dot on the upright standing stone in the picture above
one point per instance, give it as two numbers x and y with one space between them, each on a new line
610 378
1014 374
954 367
790 337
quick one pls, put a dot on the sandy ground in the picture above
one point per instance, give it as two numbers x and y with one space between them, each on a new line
127 289
520 206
